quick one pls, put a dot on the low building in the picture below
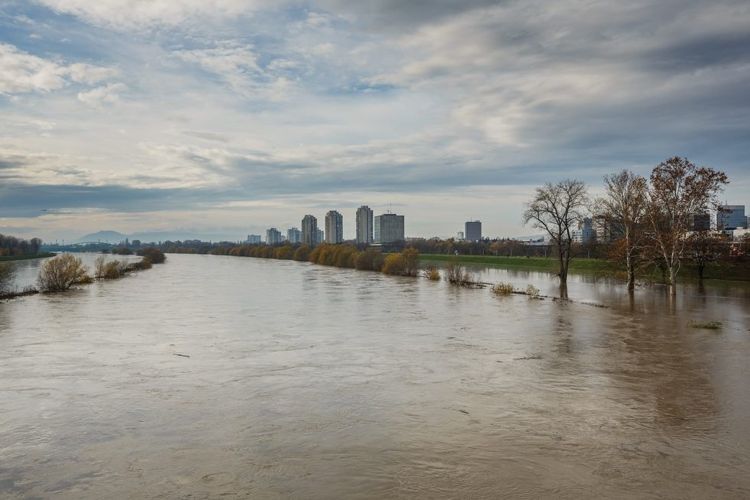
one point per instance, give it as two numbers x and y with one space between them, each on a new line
389 228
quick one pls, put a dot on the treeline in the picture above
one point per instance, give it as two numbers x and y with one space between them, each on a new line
10 246
404 263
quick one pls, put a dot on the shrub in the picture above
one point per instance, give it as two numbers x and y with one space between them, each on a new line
109 270
394 264
155 255
368 260
60 273
122 251
302 254
432 273
411 261
7 275
458 275
532 292
502 289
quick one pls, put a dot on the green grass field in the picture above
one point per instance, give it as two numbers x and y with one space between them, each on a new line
42 255
525 263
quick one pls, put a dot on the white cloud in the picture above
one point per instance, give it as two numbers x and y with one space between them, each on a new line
106 94
21 72
138 14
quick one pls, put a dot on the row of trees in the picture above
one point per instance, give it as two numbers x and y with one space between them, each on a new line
405 263
653 216
17 247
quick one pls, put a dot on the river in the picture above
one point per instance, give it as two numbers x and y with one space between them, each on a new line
218 376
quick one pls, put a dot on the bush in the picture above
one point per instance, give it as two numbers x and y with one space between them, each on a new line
532 292
458 275
502 289
369 260
155 255
432 273
122 251
109 270
411 261
394 264
60 273
7 275
302 254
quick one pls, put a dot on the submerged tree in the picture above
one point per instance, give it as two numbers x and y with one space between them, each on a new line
624 207
7 275
60 273
678 191
558 209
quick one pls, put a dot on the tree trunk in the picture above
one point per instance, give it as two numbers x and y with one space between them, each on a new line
673 280
631 271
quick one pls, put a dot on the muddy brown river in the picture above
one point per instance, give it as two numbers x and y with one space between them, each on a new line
235 377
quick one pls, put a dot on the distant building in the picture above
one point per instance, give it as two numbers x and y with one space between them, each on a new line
364 225
700 222
605 231
473 230
319 236
253 239
273 236
293 235
460 236
389 228
585 232
334 227
309 230
731 217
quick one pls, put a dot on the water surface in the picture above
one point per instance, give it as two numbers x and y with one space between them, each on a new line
211 376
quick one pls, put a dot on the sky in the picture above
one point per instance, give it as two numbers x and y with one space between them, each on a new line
220 118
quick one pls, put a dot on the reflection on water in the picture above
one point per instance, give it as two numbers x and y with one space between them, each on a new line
215 376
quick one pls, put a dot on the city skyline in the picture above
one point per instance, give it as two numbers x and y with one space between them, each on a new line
218 118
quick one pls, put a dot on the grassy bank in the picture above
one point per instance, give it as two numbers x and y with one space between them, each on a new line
739 271
523 263
41 255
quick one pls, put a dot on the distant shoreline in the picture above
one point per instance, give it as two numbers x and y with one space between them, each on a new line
11 258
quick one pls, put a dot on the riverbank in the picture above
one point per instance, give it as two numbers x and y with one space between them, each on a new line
12 258
724 272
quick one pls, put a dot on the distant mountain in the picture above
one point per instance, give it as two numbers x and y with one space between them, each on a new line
103 237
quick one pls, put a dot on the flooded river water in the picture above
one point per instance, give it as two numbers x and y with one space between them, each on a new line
221 376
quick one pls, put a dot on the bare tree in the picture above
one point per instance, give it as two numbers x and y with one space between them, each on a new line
558 209
624 207
678 190
706 247
60 273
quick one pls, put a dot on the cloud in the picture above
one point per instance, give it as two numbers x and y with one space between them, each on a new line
139 14
99 96
21 72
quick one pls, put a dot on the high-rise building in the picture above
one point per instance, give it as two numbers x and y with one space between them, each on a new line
334 227
473 231
273 236
319 236
585 232
700 222
309 230
731 217
293 235
364 225
253 239
389 228
460 236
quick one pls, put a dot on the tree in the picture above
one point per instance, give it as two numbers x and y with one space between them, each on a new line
706 247
624 209
60 273
678 190
557 209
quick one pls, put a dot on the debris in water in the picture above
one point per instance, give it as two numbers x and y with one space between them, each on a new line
181 355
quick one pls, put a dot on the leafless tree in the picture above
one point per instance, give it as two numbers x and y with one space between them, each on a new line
558 209
624 207
678 190
60 273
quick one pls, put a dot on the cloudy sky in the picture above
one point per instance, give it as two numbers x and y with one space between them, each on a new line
224 117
